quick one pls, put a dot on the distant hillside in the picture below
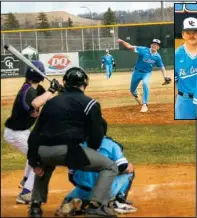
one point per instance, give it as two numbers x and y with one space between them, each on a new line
30 19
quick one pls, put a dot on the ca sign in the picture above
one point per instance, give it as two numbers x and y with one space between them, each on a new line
10 66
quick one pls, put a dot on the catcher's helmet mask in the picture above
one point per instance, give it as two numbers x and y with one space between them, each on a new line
75 76
32 75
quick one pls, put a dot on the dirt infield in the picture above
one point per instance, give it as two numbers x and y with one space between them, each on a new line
157 191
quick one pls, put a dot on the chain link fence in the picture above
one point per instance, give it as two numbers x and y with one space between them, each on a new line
56 40
62 40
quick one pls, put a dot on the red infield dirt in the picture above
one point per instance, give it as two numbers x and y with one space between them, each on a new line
157 191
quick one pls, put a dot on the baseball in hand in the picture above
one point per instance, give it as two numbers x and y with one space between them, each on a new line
119 40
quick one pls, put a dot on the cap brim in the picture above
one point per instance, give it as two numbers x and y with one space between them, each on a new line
156 43
190 29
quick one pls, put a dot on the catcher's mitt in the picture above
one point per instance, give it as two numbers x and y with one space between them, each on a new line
168 80
114 64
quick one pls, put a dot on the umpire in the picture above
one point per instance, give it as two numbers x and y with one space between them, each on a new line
65 122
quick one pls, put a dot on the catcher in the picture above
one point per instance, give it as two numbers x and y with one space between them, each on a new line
148 57
108 62
75 202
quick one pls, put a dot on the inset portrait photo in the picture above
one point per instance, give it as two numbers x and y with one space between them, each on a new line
185 61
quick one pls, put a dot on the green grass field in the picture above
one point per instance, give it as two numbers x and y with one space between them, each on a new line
143 144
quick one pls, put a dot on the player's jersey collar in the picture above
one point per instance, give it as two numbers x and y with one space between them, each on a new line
191 56
152 53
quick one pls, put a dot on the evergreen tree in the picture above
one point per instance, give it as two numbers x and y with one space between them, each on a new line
43 22
70 22
11 22
109 17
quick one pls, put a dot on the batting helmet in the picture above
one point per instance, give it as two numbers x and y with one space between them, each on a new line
75 76
32 75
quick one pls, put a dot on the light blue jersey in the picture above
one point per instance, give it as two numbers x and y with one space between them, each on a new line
186 83
108 60
195 94
109 148
185 70
146 60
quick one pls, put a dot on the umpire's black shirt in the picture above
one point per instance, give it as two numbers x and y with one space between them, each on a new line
68 119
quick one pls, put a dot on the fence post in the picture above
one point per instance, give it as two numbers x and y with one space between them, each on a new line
21 47
99 41
37 41
62 40
66 41
114 37
82 37
92 39
3 37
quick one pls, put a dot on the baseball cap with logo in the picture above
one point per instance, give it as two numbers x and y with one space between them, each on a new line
156 41
107 50
190 23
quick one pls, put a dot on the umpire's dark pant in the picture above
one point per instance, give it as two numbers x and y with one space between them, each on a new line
56 155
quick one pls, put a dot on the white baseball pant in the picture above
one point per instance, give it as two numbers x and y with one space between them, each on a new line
19 139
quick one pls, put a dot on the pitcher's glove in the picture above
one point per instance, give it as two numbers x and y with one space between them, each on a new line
54 86
114 64
167 81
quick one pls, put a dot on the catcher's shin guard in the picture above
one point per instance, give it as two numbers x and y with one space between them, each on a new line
122 197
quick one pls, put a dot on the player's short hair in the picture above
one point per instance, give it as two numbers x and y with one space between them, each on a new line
156 41
190 23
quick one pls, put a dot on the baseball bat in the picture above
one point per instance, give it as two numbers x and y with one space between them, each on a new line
20 56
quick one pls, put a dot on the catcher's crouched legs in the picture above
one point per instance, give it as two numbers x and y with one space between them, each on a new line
100 196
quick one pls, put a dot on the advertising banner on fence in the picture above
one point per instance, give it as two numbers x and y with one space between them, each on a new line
11 67
57 63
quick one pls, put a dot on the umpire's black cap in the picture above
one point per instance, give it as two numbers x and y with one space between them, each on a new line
75 76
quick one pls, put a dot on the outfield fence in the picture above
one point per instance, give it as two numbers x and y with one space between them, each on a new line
86 38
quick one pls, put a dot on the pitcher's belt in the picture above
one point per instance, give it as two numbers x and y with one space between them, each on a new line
186 94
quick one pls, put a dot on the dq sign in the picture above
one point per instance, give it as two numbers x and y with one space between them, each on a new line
59 62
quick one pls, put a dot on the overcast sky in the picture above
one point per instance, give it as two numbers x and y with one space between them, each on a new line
74 7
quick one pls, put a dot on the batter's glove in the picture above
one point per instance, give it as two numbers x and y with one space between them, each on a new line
114 64
54 86
167 81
